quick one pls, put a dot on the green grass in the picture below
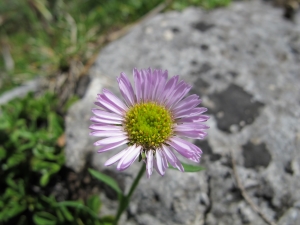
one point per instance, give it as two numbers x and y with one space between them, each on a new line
42 37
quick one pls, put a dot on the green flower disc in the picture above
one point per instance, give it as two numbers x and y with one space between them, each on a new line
148 125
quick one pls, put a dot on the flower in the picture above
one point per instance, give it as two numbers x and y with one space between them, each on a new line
150 121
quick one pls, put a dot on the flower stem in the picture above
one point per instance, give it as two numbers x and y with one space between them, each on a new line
124 202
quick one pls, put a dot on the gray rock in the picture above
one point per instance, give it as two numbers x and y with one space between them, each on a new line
21 91
244 61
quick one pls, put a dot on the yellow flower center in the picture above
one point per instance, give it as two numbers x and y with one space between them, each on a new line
148 124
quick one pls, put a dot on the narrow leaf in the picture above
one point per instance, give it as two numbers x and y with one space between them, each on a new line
189 168
107 180
44 218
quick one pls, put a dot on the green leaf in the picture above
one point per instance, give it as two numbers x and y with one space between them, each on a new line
94 203
78 205
44 218
107 180
2 153
66 212
60 216
190 168
107 220
45 179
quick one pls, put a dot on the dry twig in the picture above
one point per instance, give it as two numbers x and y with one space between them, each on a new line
245 195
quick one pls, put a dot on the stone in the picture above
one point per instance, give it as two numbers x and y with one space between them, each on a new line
20 91
244 62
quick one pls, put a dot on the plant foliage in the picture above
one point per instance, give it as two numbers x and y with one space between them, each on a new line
30 159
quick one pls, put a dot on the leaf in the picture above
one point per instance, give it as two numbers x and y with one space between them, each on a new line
2 153
60 216
107 180
189 168
78 205
66 212
45 179
107 220
44 218
94 203
12 210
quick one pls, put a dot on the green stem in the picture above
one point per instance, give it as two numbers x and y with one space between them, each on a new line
125 199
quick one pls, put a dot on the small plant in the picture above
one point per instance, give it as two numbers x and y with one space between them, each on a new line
31 164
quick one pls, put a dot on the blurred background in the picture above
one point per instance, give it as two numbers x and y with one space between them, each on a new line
47 48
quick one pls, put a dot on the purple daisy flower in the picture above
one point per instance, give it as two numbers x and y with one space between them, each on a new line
150 121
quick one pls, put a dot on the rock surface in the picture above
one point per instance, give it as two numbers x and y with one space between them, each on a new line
30 86
244 62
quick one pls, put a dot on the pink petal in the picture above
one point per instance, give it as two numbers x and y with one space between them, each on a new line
191 146
132 154
116 157
114 99
159 163
103 100
106 115
104 121
108 147
191 127
171 84
149 164
155 80
189 102
171 157
189 112
189 151
192 134
195 119
107 133
110 140
102 106
126 89
162 80
180 92
98 126
138 85
146 83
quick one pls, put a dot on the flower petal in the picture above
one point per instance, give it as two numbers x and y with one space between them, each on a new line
101 126
188 102
161 83
104 121
191 127
192 134
171 84
189 112
138 85
159 163
172 158
149 165
147 85
108 147
132 154
178 94
107 104
107 133
106 115
114 99
110 140
116 157
195 119
126 89
186 149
